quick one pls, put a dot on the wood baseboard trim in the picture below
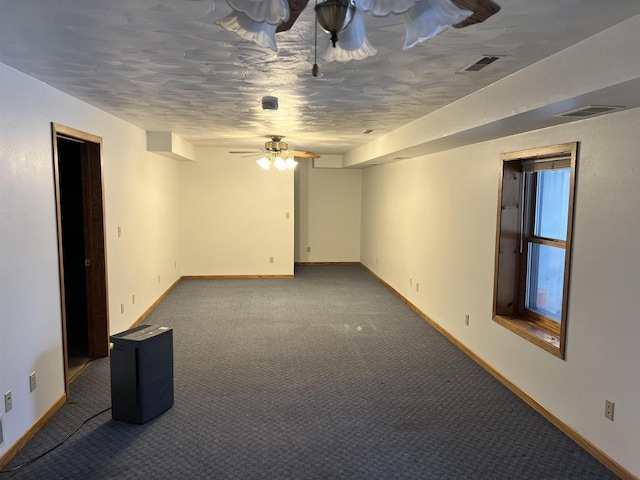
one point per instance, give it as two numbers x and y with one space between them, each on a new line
231 277
598 454
80 370
154 304
328 263
148 311
28 435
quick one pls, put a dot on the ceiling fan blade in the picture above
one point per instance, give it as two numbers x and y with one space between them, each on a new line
247 151
482 9
293 153
295 9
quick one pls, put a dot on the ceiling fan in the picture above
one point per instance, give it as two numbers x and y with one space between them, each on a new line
260 20
277 152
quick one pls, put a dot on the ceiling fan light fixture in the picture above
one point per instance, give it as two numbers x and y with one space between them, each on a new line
353 44
280 163
291 163
261 33
428 18
259 20
334 16
264 162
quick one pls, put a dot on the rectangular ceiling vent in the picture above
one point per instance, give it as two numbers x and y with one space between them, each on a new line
368 132
589 111
479 63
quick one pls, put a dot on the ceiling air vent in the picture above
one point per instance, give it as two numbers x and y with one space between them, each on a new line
479 64
588 111
368 132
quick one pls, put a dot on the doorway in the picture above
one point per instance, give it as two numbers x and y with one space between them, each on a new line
81 248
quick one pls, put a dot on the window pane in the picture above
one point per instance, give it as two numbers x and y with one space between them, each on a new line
545 279
552 203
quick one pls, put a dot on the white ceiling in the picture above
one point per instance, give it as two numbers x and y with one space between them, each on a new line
165 66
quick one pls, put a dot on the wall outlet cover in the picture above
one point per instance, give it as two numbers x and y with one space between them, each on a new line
8 401
608 409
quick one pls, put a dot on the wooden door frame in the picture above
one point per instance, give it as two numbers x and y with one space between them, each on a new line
98 318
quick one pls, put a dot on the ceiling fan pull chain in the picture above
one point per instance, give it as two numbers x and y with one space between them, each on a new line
315 69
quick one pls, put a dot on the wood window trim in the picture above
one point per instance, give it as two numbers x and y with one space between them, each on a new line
533 332
508 298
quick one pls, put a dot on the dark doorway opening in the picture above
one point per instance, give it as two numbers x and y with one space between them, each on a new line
73 252
83 284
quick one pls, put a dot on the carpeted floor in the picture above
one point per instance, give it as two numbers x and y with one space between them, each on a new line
325 376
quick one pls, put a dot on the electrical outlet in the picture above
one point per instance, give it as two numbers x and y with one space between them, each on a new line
608 409
32 381
133 299
411 282
466 319
158 278
417 287
308 249
271 260
287 215
8 402
119 231
121 308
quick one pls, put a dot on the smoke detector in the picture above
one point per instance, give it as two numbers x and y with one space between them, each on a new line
269 103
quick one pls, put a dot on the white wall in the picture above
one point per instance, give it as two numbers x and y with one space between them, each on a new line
433 219
327 214
140 191
142 197
233 216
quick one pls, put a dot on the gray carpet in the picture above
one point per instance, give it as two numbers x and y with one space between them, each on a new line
325 376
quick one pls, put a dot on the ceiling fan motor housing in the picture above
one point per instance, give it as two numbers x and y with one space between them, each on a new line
276 146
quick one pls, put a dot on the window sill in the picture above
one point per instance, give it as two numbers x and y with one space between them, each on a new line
532 331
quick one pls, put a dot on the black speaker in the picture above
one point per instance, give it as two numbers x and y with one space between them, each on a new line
141 373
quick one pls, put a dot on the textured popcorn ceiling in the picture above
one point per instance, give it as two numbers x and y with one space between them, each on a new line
164 65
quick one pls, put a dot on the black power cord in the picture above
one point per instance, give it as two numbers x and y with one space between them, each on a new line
29 462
